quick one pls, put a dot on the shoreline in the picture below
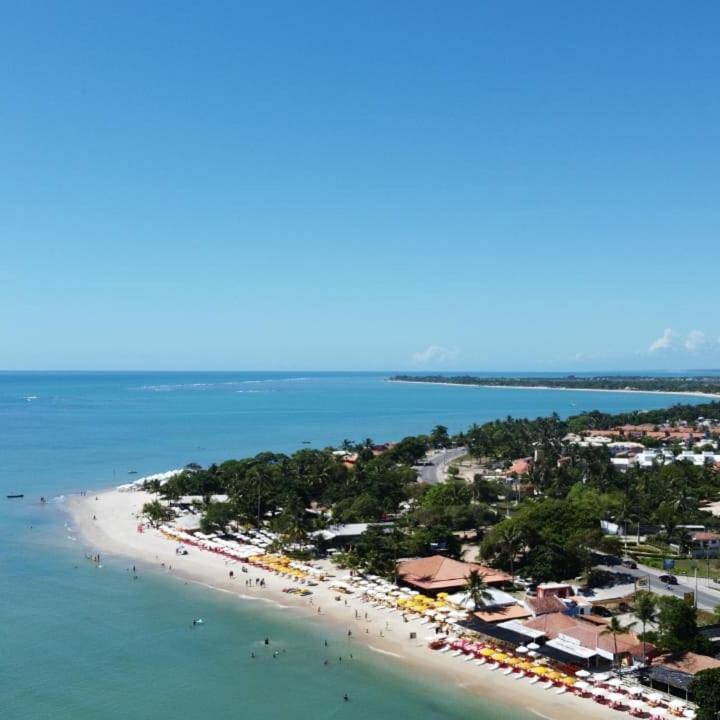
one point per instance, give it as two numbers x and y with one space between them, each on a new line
687 393
384 633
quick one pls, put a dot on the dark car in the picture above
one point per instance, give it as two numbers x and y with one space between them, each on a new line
601 611
669 579
629 563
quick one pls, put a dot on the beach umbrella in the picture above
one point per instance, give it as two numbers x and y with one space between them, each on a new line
582 673
521 649
533 646
690 714
635 690
615 682
602 677
582 685
599 692
615 697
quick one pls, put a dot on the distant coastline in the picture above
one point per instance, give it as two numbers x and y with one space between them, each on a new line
524 384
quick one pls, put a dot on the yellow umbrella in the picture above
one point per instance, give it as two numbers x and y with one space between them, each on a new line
498 656
512 661
539 670
487 651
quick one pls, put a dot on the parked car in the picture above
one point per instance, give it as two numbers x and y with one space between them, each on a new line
601 611
669 579
629 563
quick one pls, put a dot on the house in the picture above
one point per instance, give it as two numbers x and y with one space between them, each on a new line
560 590
437 573
521 466
704 544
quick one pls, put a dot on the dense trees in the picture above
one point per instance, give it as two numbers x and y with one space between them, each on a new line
705 688
709 384
157 513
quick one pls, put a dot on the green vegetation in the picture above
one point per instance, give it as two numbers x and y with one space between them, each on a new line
710 384
157 513
548 529
705 688
677 627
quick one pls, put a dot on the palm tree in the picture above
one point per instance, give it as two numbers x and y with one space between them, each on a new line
615 628
510 539
477 590
645 610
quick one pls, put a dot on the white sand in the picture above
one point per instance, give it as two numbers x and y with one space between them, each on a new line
714 396
114 532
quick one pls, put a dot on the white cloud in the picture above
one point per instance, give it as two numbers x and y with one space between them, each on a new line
695 340
434 354
665 342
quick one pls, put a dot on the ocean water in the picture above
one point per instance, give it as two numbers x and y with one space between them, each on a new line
79 642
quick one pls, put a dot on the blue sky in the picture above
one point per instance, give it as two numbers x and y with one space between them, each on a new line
370 185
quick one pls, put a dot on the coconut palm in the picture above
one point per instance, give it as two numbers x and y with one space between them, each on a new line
645 611
615 628
511 541
477 590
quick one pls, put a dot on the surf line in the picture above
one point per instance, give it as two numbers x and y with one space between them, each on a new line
386 652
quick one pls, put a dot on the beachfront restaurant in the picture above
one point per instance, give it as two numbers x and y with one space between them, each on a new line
674 676
581 641
435 574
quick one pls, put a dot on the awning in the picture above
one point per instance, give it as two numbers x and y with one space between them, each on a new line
518 627
571 648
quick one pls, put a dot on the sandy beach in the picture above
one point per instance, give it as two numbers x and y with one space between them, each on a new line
114 532
714 396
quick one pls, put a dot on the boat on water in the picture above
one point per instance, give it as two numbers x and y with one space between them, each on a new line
13 497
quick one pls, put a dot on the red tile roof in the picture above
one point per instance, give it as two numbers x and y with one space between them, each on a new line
440 573
588 635
545 605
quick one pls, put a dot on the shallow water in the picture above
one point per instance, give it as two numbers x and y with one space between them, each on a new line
79 642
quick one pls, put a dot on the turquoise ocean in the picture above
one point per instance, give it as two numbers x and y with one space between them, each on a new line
80 643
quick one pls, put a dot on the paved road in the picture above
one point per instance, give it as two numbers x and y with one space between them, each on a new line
438 459
707 598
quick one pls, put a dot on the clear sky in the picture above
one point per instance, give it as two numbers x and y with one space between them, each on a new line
359 185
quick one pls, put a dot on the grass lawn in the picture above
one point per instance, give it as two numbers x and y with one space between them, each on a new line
688 567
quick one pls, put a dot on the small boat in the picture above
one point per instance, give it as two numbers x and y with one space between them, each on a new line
306 442
12 497
132 472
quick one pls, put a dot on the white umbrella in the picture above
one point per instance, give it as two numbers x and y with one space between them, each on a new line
598 691
678 705
690 714
602 677
616 697
635 690
521 649
581 685
615 682
582 673
533 646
